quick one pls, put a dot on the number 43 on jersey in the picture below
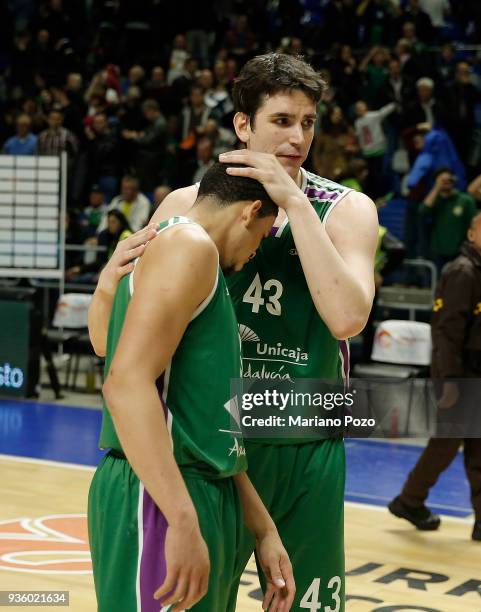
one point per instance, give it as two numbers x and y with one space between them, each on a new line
267 295
310 600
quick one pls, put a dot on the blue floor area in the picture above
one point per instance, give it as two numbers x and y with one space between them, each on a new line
375 469
50 431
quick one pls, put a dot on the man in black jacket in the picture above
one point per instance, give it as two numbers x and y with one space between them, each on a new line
456 336
102 155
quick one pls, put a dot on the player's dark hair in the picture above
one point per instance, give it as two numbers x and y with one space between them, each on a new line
270 74
228 189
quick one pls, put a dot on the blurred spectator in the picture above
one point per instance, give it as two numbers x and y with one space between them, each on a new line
102 155
222 139
450 212
151 146
73 103
193 116
437 10
446 63
293 46
231 70
134 205
399 87
409 34
131 115
75 235
355 175
183 83
220 73
72 113
376 19
157 89
220 102
407 58
462 97
374 68
436 151
424 108
24 142
74 87
205 79
344 72
177 60
192 172
93 214
135 78
160 193
44 54
117 228
334 145
38 119
239 40
45 101
421 20
372 141
56 139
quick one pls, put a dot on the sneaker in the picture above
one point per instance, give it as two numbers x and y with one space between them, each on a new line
422 518
477 531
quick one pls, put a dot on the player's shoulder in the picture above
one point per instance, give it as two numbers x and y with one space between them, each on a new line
186 195
187 238
183 254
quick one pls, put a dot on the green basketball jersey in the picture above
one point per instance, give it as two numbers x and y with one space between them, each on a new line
283 336
195 388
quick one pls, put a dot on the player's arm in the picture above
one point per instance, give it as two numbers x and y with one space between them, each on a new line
120 263
176 273
338 260
176 203
272 555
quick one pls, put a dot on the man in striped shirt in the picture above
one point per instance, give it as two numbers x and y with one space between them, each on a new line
56 139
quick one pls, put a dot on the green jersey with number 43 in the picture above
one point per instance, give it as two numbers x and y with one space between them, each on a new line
283 336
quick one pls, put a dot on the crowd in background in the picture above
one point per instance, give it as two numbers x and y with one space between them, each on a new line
139 97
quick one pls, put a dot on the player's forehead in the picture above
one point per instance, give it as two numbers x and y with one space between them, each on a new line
293 102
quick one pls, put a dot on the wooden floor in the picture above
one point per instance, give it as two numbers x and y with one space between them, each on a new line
391 567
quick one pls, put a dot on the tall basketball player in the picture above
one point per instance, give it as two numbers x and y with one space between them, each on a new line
167 501
310 287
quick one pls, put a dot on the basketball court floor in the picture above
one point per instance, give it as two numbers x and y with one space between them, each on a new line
47 458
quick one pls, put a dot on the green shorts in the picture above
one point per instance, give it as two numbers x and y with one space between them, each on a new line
127 538
302 486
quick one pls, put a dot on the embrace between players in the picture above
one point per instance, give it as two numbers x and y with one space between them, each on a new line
173 514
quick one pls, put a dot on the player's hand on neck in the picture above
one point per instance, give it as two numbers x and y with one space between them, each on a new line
266 168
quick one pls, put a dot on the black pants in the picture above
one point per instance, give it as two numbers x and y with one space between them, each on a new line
436 457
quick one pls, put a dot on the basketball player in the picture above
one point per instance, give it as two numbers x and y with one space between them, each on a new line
166 503
309 288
